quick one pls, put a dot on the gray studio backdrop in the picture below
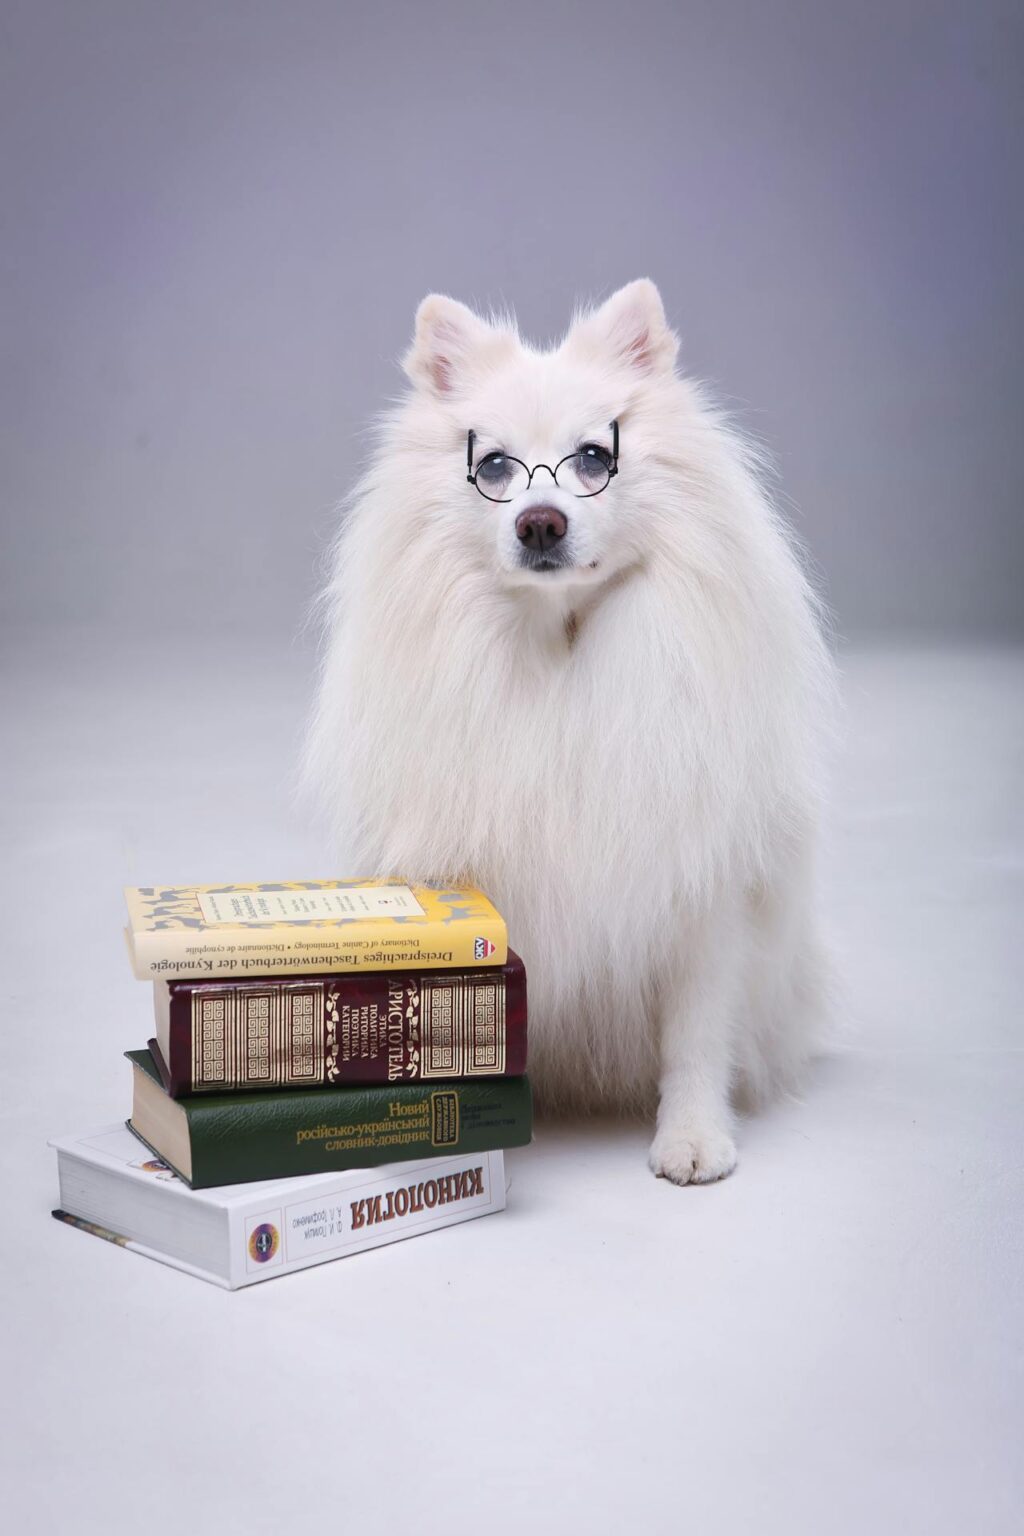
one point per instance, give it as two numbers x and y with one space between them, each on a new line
218 218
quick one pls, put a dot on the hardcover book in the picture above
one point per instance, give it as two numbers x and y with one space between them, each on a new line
240 1137
112 1187
302 1032
309 926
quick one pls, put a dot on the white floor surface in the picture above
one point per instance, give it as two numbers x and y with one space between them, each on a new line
828 1342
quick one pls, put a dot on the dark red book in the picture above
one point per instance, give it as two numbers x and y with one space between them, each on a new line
308 1031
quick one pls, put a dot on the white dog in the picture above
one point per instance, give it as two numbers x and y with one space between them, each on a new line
604 699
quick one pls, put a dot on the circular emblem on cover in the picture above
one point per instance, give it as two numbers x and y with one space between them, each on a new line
263 1242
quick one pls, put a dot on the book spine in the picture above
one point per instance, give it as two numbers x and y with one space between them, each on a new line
368 945
242 1137
238 1138
332 1031
286 1235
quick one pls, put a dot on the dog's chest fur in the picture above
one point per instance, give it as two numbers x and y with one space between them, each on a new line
564 768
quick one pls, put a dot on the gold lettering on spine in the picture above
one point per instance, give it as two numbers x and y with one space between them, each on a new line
395 1030
444 1118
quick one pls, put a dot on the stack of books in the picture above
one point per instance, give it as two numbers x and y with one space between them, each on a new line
305 1033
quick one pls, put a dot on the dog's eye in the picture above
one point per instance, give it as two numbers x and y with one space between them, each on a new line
592 465
593 459
500 478
495 469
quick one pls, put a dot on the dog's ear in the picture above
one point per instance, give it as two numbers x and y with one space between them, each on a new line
448 340
631 327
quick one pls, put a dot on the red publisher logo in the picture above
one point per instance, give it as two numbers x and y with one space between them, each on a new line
482 948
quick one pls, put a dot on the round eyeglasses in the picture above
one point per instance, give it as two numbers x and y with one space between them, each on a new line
584 472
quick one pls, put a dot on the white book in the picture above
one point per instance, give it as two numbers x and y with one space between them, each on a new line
236 1234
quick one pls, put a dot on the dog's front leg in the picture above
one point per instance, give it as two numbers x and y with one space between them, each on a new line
694 1142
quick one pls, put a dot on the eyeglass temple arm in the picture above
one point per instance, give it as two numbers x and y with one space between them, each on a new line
469 457
615 447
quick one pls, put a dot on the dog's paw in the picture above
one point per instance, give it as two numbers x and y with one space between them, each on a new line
696 1155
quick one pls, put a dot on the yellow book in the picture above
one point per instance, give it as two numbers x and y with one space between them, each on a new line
296 927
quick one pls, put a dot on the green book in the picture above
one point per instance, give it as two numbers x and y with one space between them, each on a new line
235 1138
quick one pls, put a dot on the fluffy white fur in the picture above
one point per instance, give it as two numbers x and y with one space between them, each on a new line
626 754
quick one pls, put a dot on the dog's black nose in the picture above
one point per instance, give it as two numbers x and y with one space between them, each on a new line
541 528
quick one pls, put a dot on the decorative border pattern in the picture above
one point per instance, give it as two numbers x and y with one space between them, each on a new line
463 1028
259 1037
